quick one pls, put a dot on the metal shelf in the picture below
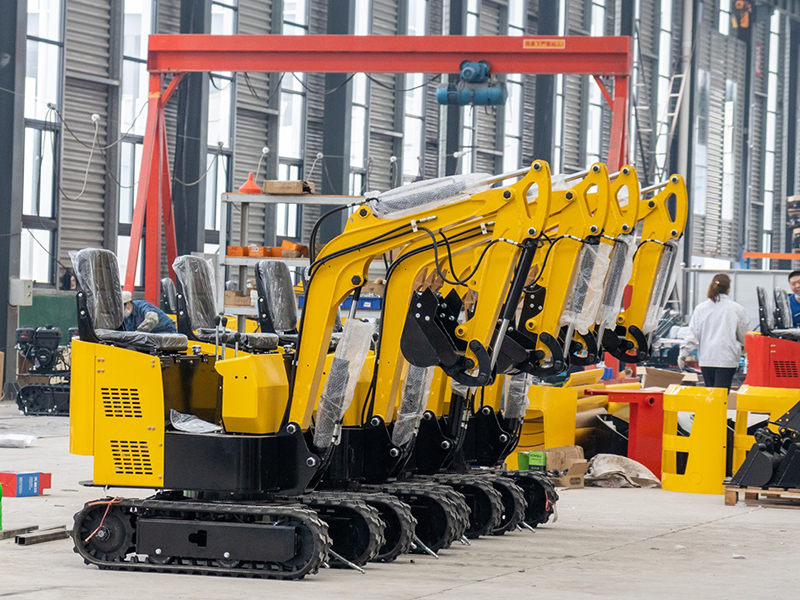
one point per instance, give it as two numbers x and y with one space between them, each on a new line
243 311
314 199
252 261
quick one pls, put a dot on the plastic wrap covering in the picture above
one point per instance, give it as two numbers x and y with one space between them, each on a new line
765 303
98 278
140 340
583 303
424 195
784 308
348 360
662 287
276 283
169 295
515 395
196 277
191 424
415 399
459 388
620 270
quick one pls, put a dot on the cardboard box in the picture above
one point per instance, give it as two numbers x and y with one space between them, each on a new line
288 187
234 298
20 484
570 463
660 378
258 251
235 251
286 245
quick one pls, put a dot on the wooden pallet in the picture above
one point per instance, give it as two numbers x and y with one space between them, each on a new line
779 497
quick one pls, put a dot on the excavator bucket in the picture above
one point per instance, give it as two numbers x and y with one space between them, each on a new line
774 459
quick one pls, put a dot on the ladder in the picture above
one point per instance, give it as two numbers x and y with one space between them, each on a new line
669 122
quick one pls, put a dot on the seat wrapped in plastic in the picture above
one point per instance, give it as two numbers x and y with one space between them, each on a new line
197 281
424 195
169 296
196 278
783 310
98 277
274 283
141 340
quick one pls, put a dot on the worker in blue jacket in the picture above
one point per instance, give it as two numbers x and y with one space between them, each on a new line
140 315
794 297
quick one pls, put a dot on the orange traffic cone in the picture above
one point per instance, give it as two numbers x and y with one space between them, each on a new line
250 186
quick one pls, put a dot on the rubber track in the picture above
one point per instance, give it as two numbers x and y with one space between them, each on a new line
514 504
539 492
452 514
400 524
327 504
187 566
51 388
486 503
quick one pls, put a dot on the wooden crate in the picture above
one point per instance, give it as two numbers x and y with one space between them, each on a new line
778 497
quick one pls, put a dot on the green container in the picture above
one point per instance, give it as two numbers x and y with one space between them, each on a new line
522 461
537 460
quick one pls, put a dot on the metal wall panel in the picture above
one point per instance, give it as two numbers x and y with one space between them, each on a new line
169 21
315 115
575 95
86 90
529 108
487 157
252 118
383 144
432 109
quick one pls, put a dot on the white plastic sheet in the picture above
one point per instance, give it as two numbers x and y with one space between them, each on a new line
412 406
427 194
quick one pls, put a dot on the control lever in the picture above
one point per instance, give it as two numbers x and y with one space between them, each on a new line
236 337
224 335
216 336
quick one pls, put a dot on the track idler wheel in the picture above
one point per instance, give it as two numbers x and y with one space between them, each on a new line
104 531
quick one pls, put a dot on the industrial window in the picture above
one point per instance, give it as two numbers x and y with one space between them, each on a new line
771 133
43 78
359 110
725 16
466 153
594 118
291 132
137 25
700 186
221 94
558 124
665 67
414 119
512 143
728 158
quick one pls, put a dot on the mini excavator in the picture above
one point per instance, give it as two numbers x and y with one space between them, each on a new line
247 511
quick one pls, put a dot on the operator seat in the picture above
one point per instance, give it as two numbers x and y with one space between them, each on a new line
766 317
277 305
100 316
197 307
169 296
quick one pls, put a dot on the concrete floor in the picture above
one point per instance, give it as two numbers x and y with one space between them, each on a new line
606 544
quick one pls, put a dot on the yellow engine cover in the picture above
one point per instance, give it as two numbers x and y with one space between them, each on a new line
255 390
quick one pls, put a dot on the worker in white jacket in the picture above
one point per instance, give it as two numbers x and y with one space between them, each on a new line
717 330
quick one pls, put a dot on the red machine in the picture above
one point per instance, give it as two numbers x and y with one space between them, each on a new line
772 362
